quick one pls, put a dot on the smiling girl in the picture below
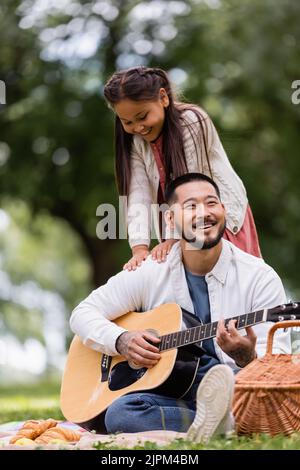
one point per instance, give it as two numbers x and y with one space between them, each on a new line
158 139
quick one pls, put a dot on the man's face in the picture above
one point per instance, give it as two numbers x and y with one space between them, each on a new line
198 214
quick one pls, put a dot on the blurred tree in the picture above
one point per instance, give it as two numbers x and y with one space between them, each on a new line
31 249
41 280
237 59
57 149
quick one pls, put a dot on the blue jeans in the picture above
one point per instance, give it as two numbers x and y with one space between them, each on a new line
145 411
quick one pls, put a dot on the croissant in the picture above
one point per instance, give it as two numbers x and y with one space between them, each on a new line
24 442
33 428
58 432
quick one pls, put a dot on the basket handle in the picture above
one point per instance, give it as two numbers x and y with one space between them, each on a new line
281 324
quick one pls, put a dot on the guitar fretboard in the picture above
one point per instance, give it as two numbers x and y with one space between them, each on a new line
206 331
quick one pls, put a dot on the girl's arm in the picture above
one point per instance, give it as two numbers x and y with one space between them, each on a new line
138 212
139 203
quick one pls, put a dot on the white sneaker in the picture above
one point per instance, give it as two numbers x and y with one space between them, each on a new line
214 399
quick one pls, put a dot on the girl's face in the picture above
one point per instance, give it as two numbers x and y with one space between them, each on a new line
144 118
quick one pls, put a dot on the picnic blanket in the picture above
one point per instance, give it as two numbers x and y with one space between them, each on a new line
88 439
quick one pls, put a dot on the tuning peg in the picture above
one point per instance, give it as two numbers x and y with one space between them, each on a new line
293 317
295 305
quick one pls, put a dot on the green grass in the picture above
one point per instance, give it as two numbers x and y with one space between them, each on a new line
42 401
259 442
30 402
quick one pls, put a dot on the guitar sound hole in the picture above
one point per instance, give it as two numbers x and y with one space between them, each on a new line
122 375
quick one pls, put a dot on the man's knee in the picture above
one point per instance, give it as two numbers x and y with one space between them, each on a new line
114 416
122 414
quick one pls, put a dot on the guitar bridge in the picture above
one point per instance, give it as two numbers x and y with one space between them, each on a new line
105 366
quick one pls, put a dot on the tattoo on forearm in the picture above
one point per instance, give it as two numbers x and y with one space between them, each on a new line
242 357
122 344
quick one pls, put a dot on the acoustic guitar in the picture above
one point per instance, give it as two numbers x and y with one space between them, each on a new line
92 380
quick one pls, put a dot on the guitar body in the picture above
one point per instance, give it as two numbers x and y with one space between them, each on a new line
92 381
87 392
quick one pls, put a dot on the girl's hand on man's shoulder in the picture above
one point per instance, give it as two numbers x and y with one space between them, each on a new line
139 254
161 251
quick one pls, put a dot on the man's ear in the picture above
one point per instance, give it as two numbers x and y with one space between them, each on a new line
169 221
169 218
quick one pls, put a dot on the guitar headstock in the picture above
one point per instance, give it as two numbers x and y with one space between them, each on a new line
290 311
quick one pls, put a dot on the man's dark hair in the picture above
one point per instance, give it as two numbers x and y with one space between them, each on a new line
187 178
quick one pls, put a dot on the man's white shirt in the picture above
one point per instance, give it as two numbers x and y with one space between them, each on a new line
239 283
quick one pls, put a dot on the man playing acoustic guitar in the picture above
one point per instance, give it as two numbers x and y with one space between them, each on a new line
206 275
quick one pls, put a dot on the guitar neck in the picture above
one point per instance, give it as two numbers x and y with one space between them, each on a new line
208 330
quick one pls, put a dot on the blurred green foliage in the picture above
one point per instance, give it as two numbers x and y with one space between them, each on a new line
36 251
41 247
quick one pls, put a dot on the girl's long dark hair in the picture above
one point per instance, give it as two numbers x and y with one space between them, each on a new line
143 84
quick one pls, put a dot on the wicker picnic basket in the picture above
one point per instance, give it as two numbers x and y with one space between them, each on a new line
267 392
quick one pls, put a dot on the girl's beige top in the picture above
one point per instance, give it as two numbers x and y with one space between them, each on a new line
142 200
